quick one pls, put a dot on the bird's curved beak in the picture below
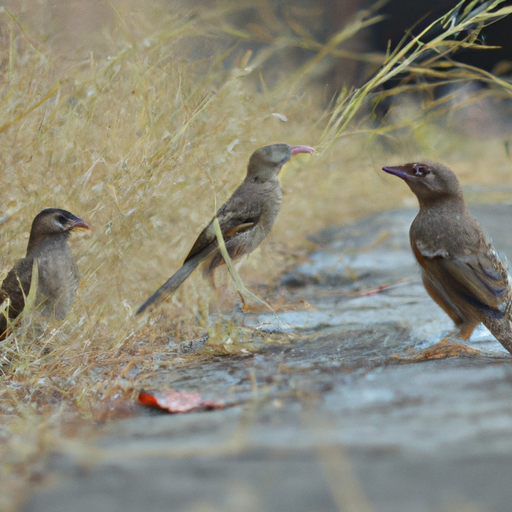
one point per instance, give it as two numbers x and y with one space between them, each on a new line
302 149
78 223
396 171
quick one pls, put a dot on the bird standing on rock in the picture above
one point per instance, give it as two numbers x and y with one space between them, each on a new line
245 219
57 273
460 268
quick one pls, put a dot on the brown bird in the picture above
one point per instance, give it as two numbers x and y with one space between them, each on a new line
57 273
245 219
460 268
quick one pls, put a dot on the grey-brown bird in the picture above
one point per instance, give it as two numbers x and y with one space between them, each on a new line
57 273
461 270
245 219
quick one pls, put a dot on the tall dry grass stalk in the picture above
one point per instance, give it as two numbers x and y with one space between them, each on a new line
424 56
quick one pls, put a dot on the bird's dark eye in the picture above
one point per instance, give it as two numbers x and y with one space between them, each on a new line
62 220
420 170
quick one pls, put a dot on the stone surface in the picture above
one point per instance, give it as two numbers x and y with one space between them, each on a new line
335 416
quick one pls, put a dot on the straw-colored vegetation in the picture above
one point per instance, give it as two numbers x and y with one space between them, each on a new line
142 122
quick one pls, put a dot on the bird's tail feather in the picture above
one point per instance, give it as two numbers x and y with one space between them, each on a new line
173 283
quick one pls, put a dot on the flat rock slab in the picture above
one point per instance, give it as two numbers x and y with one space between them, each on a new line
335 416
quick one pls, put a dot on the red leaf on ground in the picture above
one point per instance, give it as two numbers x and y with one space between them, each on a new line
176 401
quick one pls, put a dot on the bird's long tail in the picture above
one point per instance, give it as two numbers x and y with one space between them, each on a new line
173 283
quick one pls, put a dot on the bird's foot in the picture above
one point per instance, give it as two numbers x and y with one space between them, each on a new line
447 348
441 350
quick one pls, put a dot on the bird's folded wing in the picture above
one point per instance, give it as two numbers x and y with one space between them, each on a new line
234 217
20 273
478 278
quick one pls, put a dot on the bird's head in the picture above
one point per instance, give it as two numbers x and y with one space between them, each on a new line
430 182
266 162
52 222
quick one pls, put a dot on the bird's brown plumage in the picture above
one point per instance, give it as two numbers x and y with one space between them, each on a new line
461 270
245 219
57 272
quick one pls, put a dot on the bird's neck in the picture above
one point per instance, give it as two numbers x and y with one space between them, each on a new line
262 179
38 243
454 204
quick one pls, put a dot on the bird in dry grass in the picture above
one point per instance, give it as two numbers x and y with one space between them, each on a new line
56 270
461 270
245 219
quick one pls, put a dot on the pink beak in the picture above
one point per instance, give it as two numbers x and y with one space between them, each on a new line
302 149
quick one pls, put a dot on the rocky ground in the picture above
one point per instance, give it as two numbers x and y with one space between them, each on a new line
342 412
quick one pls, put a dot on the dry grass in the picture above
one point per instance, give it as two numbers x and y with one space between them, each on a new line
144 138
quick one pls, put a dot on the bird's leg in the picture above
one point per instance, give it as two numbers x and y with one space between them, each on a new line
464 329
224 296
238 264
448 348
210 278
245 307
217 306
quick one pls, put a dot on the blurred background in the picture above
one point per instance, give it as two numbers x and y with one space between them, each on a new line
298 29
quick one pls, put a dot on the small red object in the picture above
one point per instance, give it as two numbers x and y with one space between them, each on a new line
176 401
